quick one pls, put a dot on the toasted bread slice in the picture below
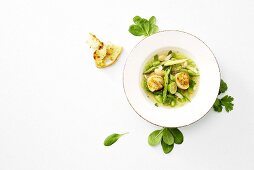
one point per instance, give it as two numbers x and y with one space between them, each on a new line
105 54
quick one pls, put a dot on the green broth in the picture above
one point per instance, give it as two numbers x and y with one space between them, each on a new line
176 72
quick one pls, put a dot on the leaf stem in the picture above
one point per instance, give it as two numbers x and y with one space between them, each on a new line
124 133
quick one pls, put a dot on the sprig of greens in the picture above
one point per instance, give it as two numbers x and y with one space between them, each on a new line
111 139
143 27
226 101
167 137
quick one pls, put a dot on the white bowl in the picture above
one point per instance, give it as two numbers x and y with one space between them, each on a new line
209 81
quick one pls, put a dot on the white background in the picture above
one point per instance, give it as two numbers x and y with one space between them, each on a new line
56 107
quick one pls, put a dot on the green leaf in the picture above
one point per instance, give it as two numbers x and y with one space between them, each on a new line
143 26
136 30
146 27
227 102
137 19
178 136
155 137
152 20
150 32
111 139
166 148
167 137
143 20
153 29
223 87
217 105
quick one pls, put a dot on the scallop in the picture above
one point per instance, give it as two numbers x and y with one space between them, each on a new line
154 83
182 80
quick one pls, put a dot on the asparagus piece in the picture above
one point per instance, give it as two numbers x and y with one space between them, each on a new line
165 90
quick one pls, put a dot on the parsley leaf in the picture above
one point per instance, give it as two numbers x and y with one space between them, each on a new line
217 105
223 86
143 26
226 101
